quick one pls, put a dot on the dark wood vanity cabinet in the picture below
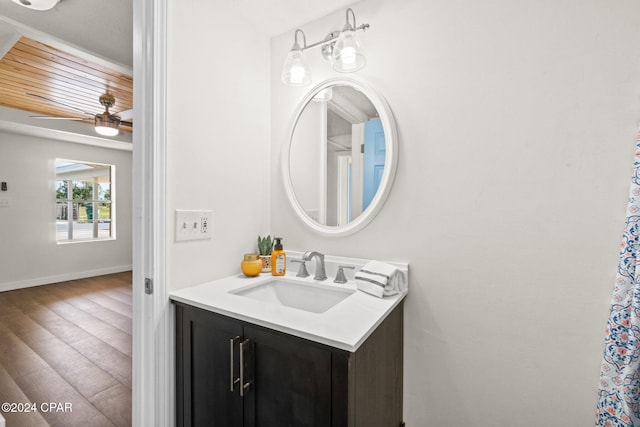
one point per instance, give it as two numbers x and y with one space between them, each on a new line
286 381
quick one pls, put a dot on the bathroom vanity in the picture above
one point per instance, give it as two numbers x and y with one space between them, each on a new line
245 360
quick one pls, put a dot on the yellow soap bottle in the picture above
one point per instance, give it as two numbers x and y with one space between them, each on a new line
278 258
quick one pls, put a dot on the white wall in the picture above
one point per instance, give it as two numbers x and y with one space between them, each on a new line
29 254
517 122
218 137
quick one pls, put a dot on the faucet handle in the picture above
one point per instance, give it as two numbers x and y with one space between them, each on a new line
340 277
302 271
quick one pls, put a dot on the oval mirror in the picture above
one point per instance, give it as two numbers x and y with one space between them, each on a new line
340 160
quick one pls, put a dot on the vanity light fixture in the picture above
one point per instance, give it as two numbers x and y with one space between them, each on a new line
342 48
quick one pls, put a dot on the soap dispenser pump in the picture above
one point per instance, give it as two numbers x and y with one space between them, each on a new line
278 259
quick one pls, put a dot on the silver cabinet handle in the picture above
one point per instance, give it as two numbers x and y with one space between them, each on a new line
244 387
233 381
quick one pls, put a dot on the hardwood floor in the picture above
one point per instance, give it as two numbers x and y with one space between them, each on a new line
68 346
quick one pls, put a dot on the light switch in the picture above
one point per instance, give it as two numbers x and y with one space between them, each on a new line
193 225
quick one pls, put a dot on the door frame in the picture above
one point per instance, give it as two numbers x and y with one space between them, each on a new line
153 401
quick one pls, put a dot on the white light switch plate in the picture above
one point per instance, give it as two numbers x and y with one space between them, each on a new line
5 202
193 225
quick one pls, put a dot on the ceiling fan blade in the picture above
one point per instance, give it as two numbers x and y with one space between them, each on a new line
130 124
60 118
126 114
59 103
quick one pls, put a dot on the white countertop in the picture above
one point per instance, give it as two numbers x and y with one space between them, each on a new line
345 325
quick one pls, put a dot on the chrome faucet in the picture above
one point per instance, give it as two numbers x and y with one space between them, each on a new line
320 271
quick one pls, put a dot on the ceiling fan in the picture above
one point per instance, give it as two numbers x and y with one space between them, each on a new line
106 123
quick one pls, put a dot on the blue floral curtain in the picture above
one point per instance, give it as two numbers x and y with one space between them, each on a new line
619 392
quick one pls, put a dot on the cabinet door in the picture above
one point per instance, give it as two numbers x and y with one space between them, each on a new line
291 384
204 392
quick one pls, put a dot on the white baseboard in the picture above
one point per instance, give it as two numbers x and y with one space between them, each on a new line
62 278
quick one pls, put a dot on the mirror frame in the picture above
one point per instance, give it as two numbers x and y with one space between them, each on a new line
391 159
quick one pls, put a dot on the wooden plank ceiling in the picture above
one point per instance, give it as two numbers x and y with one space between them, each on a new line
46 81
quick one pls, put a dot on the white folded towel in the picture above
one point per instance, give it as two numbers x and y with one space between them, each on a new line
381 279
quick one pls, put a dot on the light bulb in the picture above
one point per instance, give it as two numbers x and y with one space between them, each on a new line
323 95
348 58
297 74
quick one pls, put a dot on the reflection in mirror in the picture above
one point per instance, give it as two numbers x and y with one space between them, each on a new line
337 155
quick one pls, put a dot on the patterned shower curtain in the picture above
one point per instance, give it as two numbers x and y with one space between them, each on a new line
619 392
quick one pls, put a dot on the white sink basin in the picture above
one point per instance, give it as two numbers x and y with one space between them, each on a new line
311 297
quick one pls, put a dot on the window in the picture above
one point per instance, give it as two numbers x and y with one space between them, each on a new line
84 201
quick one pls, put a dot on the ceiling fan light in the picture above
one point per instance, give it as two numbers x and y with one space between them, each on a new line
37 4
106 125
106 131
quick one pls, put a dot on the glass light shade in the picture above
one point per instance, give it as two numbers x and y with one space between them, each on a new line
106 125
295 72
348 55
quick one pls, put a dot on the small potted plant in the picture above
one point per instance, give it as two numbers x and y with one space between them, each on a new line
265 246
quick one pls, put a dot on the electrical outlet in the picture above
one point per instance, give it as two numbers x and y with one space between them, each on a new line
204 225
193 225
